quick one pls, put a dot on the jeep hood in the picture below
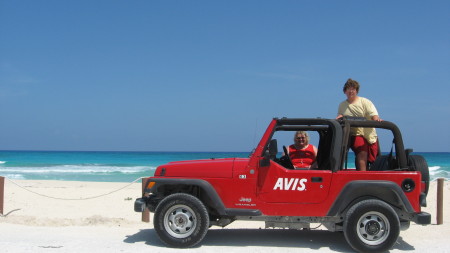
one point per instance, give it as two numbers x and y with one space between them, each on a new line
208 168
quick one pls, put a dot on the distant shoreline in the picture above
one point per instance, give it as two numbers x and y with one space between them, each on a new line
119 166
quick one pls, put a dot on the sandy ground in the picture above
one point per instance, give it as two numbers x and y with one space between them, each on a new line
100 218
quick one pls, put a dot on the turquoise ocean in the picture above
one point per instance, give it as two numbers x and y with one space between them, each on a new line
129 166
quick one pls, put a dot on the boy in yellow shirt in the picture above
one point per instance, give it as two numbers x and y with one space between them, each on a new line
364 141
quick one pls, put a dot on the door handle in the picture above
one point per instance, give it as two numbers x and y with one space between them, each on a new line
316 179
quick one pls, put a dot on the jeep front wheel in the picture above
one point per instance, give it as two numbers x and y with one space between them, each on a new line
371 226
181 220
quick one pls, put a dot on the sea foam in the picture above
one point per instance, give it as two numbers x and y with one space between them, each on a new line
438 172
84 169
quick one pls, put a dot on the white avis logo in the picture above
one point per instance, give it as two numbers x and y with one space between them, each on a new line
286 184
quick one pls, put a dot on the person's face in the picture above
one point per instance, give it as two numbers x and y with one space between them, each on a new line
351 93
301 140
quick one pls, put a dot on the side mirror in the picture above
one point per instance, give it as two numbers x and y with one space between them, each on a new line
270 153
273 148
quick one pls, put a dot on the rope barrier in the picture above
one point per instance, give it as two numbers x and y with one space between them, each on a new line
87 198
4 215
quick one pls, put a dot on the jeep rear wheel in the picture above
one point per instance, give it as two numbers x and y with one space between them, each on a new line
371 226
181 220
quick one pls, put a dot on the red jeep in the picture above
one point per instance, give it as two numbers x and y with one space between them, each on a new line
370 207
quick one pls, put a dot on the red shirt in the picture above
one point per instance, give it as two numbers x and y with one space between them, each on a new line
302 158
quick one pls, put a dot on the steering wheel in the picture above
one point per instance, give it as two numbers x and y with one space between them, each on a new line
286 159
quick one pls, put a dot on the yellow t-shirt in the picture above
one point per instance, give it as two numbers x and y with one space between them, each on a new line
362 107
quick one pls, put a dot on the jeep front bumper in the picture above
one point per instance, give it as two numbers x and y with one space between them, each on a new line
149 202
139 205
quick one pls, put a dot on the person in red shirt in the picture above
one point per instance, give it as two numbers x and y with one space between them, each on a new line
302 154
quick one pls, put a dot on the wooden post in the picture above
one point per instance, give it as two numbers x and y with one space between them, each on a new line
2 193
146 212
440 201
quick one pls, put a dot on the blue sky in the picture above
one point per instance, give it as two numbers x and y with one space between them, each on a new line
210 75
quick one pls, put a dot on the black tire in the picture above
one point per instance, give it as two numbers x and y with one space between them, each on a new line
418 163
181 220
371 226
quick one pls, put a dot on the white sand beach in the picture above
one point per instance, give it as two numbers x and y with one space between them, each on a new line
108 223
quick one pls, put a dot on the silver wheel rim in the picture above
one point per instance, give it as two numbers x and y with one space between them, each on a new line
180 221
373 228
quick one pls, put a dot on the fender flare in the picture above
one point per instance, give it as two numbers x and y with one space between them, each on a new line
386 191
213 199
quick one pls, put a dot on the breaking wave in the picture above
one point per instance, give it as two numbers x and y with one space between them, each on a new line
438 172
78 169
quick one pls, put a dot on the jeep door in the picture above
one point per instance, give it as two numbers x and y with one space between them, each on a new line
277 184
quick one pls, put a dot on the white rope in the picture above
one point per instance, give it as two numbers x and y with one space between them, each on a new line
92 197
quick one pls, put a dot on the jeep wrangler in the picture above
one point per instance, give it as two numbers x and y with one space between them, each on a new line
369 207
